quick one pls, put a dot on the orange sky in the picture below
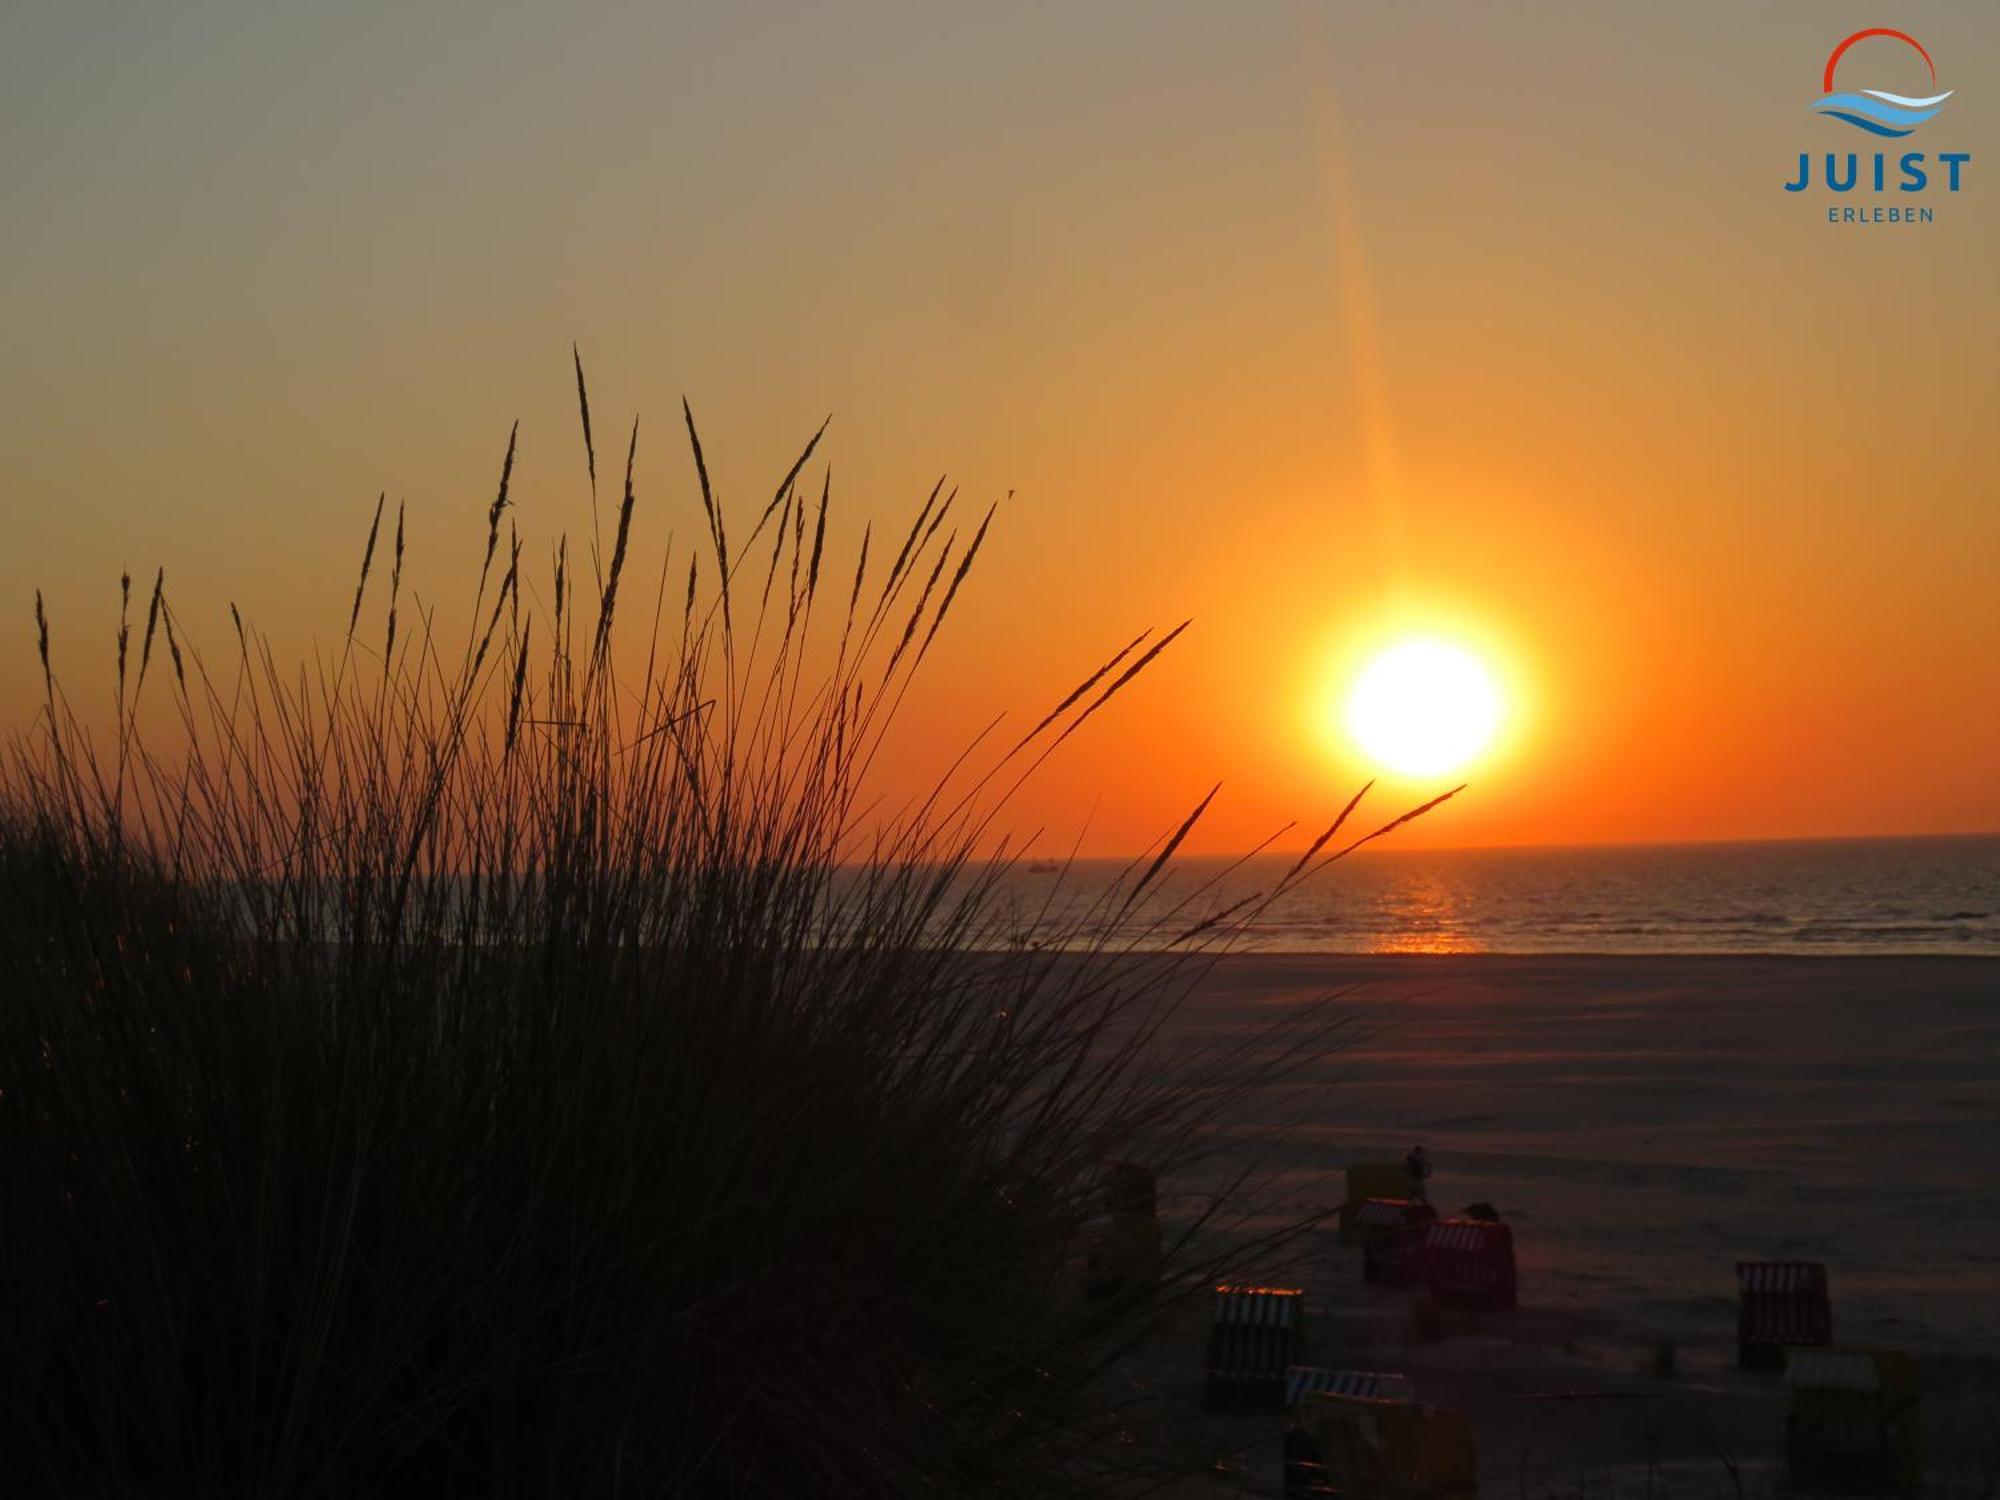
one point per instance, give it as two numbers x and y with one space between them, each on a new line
1309 323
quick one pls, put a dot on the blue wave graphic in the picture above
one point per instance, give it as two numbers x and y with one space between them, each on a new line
1865 124
1880 113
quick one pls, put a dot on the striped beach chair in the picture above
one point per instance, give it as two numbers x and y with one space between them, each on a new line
1366 1449
1302 1381
1781 1304
1855 1423
1121 1255
1122 1245
1255 1334
1470 1263
1378 1216
1392 1239
1365 1180
1132 1189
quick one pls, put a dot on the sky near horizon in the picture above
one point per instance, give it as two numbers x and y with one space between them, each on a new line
1316 324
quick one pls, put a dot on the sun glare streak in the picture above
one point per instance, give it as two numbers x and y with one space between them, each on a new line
1355 296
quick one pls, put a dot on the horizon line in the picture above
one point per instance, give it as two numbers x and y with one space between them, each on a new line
1388 848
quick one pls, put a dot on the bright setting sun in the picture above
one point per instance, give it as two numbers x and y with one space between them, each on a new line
1422 708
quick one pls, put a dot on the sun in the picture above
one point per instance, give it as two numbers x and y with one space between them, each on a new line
1423 708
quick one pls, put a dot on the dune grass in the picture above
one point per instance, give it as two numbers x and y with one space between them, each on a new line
459 1068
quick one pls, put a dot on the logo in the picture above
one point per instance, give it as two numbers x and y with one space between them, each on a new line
1876 110
1903 185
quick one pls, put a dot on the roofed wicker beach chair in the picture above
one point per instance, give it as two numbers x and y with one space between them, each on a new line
1393 1240
1365 1180
1122 1246
1121 1255
1781 1304
1470 1263
1132 1189
1856 1423
1255 1335
1302 1381
1364 1448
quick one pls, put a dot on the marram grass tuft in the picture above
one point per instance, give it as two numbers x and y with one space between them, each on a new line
465 1069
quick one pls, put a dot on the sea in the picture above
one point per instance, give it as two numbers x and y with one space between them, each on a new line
1845 896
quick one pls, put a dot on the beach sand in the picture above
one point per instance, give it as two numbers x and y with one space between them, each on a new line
1643 1123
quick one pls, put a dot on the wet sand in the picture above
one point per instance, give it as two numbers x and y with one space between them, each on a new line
1644 1123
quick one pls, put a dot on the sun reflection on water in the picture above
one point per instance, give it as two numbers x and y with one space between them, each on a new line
1421 915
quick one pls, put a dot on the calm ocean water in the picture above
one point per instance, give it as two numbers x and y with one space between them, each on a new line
1927 895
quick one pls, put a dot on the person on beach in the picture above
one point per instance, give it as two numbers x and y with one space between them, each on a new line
1417 1167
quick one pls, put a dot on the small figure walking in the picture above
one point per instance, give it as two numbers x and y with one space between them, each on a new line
1417 1167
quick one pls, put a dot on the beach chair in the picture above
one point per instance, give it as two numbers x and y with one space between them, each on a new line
1362 1448
1856 1423
1122 1247
1121 1255
1255 1334
1365 1180
1470 1263
1392 1240
1132 1189
1781 1304
1302 1381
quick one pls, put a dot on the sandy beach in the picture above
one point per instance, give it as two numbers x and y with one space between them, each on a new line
1644 1123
